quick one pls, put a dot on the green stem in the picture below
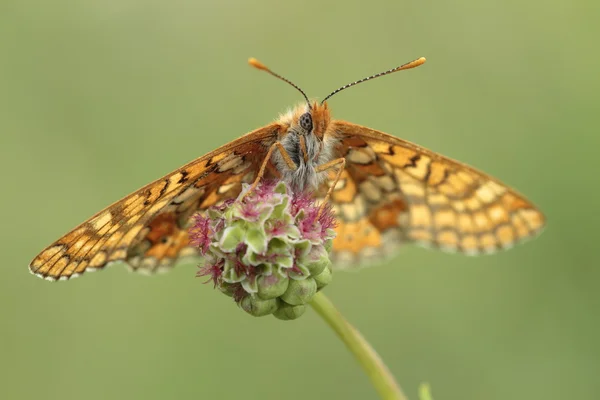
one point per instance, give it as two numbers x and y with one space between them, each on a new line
368 358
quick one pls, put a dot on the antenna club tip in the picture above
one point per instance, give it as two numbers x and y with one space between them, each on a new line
257 64
422 60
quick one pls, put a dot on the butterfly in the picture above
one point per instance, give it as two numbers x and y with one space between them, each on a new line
384 191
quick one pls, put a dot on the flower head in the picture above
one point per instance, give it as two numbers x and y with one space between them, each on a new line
267 249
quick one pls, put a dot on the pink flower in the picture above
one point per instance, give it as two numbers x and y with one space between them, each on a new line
308 224
213 271
200 233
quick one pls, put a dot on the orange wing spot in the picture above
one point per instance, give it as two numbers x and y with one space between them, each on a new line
58 267
473 203
134 208
155 191
437 173
119 254
437 200
387 216
134 198
70 269
534 219
175 178
75 247
401 156
444 219
520 227
102 220
196 170
217 157
48 254
458 184
157 206
382 148
98 260
513 202
505 235
448 239
496 188
481 221
171 248
498 214
83 264
113 229
459 205
420 169
449 189
353 141
414 190
465 223
354 236
485 194
83 251
362 172
210 200
114 239
161 226
466 177
420 216
347 193
131 234
469 244
105 229
488 242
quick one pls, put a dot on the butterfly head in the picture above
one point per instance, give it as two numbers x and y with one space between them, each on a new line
312 120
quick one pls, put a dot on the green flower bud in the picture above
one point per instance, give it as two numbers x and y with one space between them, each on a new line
232 236
258 307
324 278
329 243
256 239
272 286
300 292
267 249
317 260
227 288
287 311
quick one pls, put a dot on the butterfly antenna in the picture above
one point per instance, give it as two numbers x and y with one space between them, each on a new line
258 65
409 65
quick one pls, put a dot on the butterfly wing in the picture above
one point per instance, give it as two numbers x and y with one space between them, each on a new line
148 228
394 191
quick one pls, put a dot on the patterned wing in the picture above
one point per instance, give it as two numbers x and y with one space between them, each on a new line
147 229
394 191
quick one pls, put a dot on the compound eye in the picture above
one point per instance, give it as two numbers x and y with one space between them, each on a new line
306 122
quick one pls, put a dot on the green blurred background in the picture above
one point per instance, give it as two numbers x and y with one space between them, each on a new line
97 98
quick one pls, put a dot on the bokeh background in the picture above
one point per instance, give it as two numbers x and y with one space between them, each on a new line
97 98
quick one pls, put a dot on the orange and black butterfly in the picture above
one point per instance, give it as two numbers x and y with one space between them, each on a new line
384 191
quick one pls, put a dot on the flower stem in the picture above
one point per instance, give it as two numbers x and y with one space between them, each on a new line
368 358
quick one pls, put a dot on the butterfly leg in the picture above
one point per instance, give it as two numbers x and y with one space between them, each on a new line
261 172
340 163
